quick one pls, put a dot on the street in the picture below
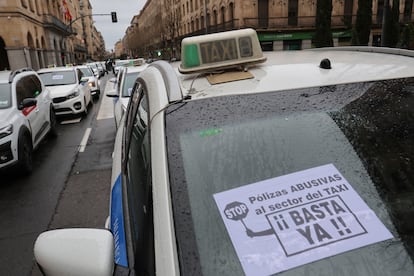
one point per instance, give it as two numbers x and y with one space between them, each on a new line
69 186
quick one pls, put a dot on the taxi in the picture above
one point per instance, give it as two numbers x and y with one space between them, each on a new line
69 89
239 162
122 88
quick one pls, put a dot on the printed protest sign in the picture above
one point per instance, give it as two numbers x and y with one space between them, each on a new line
295 219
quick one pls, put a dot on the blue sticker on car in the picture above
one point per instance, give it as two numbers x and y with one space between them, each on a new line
117 223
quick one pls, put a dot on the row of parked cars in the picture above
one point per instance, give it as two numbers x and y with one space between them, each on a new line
30 102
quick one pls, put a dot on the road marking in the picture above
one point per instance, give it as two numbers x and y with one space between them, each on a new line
74 121
85 138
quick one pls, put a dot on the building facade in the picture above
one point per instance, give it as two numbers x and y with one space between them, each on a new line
41 33
280 24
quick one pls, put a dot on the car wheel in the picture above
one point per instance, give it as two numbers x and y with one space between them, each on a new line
53 123
25 153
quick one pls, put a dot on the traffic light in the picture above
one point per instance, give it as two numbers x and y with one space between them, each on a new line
114 19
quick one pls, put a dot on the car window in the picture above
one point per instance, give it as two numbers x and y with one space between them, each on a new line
58 77
27 87
139 189
128 84
224 143
86 71
5 96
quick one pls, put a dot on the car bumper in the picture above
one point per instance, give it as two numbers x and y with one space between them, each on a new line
70 106
8 154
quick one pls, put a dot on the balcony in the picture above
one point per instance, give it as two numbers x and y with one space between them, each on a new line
52 22
296 22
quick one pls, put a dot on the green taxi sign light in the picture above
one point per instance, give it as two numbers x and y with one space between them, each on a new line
238 48
191 58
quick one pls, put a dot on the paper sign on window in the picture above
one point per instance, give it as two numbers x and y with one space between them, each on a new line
292 220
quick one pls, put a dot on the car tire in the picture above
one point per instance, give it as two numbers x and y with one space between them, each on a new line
53 123
25 154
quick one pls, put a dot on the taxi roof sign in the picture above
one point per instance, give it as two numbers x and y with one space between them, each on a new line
135 62
220 51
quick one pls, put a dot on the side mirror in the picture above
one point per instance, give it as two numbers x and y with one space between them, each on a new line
112 93
77 251
28 102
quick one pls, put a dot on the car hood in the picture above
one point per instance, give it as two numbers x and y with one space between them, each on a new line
61 90
5 116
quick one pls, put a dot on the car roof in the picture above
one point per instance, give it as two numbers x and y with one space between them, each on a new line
56 69
133 69
7 76
286 70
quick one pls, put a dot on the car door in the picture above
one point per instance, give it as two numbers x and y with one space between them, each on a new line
137 177
27 87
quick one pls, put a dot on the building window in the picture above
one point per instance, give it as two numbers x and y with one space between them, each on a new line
215 17
380 10
31 5
348 9
408 7
231 8
24 4
293 12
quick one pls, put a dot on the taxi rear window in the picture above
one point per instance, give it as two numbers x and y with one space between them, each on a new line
58 78
364 129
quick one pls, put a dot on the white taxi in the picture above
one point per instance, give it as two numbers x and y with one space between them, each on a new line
93 81
236 162
26 117
69 89
121 93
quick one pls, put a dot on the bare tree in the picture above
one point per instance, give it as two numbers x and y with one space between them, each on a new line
171 23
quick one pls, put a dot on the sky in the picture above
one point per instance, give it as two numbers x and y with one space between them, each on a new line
125 10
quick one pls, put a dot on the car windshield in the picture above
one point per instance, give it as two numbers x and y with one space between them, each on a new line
86 71
128 83
5 96
58 78
218 146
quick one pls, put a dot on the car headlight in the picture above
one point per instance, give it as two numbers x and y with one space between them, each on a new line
74 94
6 131
91 84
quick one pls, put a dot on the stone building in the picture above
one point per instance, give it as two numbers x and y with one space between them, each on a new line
280 24
40 33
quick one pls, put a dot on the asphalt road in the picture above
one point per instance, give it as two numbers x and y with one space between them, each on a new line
69 187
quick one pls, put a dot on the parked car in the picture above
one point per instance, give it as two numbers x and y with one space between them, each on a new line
97 68
125 81
93 81
238 162
119 63
26 117
69 89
